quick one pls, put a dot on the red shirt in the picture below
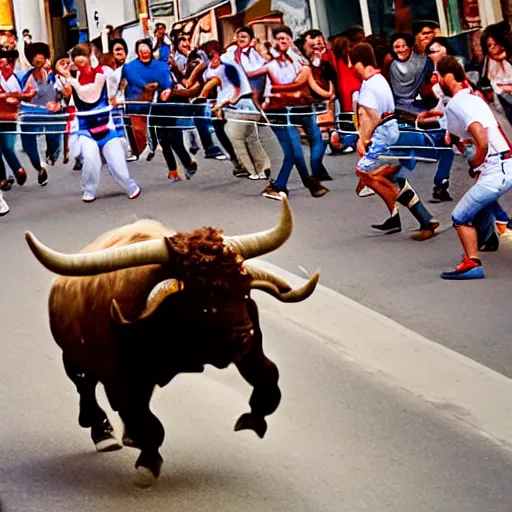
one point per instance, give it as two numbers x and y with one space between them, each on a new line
88 75
347 82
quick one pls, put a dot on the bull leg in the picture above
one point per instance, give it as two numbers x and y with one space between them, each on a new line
91 415
145 431
259 371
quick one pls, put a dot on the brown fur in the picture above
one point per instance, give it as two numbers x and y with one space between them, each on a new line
80 306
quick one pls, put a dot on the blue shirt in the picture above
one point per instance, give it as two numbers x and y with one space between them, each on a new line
138 74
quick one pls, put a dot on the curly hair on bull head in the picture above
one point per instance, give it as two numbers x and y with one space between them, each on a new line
202 257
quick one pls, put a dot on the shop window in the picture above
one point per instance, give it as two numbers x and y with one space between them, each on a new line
461 15
389 16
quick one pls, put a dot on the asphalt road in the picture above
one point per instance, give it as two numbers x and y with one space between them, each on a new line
390 274
343 439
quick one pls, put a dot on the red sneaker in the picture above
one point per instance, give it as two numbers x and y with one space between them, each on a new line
468 268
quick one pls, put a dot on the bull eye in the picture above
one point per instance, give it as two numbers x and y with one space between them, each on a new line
211 311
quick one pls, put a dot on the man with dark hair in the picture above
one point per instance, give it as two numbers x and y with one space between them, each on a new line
162 44
475 129
119 49
424 31
282 29
378 130
246 30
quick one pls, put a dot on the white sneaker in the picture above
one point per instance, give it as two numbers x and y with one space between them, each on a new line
135 194
88 198
366 192
4 207
261 176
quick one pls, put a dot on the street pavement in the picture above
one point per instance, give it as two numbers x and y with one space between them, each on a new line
390 274
346 437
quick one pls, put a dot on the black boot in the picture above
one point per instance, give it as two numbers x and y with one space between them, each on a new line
390 225
315 188
441 195
409 198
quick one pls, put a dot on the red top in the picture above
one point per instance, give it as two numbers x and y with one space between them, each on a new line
88 75
348 83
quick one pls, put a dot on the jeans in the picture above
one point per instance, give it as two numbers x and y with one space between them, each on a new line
500 214
434 147
205 127
479 204
384 136
7 141
289 139
218 126
309 124
53 143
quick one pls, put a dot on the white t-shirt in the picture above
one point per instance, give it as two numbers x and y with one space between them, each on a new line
12 84
250 59
227 88
376 94
465 109
282 72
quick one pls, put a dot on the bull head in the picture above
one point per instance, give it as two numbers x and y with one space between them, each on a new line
156 251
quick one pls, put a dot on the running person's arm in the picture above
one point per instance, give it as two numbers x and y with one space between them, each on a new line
368 120
481 140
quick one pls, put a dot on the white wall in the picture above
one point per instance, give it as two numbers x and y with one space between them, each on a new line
108 12
30 14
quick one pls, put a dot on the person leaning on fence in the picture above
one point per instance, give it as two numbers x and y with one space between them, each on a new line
39 115
288 102
235 99
11 95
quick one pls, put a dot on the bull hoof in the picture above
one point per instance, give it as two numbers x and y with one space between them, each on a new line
144 478
148 469
250 422
103 437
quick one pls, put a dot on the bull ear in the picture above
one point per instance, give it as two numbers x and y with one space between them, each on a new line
157 295
116 314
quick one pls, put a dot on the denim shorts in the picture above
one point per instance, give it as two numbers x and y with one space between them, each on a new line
384 136
495 181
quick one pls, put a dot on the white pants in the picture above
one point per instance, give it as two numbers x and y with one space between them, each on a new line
114 155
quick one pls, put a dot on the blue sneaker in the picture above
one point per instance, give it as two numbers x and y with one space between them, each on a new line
468 268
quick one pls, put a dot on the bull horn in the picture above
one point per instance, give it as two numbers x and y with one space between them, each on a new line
258 274
289 296
147 252
257 244
157 295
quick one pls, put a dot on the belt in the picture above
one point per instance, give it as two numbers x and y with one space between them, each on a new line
504 156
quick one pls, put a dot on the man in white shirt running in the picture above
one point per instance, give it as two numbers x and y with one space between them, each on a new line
378 130
472 123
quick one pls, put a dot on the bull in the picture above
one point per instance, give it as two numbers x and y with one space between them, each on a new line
142 303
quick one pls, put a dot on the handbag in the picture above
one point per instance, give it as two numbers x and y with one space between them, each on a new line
326 120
